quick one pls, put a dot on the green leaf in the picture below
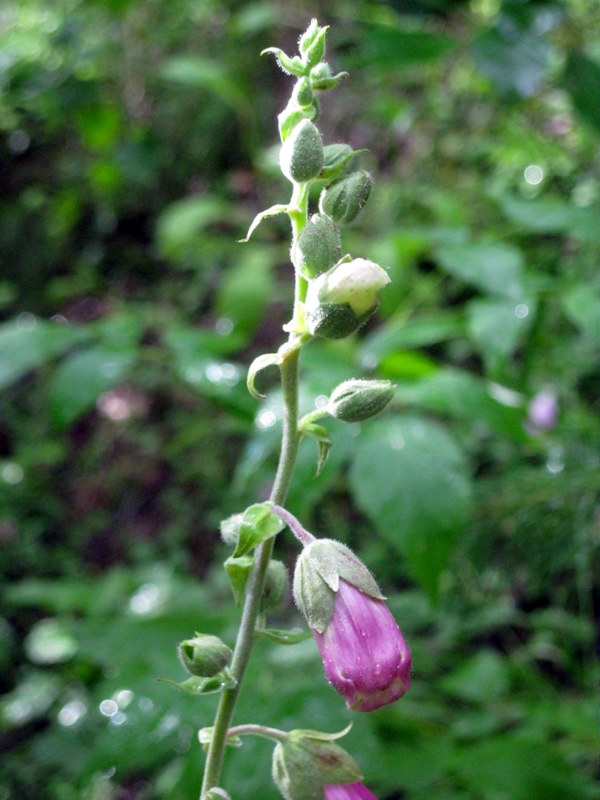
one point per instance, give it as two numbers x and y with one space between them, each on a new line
80 379
497 326
28 342
272 211
582 305
462 395
282 637
581 79
496 268
244 291
259 523
180 227
411 479
388 48
402 334
551 214
214 76
480 679
336 158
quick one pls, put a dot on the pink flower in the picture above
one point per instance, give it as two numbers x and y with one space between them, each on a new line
364 655
349 791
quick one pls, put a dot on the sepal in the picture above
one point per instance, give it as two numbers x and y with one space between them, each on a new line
322 79
291 66
260 363
336 158
295 774
281 636
334 764
319 568
198 686
259 523
269 212
322 438
238 571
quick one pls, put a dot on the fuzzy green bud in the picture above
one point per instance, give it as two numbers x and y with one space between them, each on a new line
204 655
356 400
319 246
342 299
301 155
345 198
303 94
294 772
276 585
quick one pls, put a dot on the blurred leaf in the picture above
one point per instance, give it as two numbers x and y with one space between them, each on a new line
498 326
511 765
49 642
28 342
389 48
180 226
401 334
30 699
406 365
581 79
495 268
582 306
480 679
550 214
194 71
464 396
246 289
412 481
80 379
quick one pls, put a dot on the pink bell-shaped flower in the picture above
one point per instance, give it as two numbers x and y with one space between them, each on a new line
349 791
364 653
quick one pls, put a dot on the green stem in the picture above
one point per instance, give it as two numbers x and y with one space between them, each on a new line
289 368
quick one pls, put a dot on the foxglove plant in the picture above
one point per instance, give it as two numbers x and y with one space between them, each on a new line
364 653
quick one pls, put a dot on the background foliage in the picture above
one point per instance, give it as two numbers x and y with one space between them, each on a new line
137 142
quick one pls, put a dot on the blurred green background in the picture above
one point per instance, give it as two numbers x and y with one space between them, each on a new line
137 142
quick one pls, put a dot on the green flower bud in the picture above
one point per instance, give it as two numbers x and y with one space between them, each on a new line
303 94
316 49
294 772
322 78
345 198
276 585
301 155
319 246
333 763
356 400
204 655
342 299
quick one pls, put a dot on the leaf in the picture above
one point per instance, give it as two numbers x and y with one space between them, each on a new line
260 363
336 158
28 342
179 228
462 395
259 523
551 214
388 48
272 211
581 79
497 326
482 678
282 637
402 334
582 305
80 379
213 76
238 571
411 479
496 268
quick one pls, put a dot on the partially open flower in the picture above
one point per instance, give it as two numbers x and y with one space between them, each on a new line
364 653
349 791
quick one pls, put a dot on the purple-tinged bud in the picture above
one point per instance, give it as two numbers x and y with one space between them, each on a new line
543 410
364 653
349 791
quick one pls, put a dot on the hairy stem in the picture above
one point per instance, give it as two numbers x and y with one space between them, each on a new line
287 460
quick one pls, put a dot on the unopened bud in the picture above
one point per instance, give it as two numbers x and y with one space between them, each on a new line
303 94
345 198
319 246
204 655
295 773
342 299
276 585
301 155
356 400
333 763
